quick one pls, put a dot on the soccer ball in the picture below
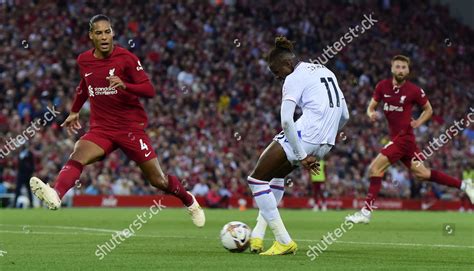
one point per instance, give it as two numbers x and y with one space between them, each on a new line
235 236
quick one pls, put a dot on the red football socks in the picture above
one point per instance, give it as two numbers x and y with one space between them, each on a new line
176 188
441 178
67 177
374 189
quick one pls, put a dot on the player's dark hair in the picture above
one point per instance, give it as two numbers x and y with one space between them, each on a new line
402 58
282 48
97 18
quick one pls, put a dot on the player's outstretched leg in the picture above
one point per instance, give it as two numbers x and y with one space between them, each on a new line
269 162
171 184
376 172
85 152
422 173
277 185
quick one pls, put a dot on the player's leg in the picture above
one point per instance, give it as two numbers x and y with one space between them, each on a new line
90 148
277 185
317 195
422 173
85 152
376 171
269 162
139 149
170 184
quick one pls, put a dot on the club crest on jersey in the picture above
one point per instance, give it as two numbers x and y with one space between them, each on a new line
402 99
139 67
111 72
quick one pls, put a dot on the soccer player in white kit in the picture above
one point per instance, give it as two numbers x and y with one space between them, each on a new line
315 90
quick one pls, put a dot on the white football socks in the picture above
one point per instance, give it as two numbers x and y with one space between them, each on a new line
277 185
267 203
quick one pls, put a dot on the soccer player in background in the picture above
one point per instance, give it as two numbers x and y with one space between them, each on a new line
315 90
317 183
399 96
113 79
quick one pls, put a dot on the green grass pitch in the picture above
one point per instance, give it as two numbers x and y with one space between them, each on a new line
67 240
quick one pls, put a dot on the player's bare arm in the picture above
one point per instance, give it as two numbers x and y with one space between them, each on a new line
72 123
424 117
371 113
115 82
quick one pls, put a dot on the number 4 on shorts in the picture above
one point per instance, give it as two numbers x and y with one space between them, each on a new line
143 145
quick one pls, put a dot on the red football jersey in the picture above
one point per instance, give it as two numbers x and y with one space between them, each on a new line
111 108
398 104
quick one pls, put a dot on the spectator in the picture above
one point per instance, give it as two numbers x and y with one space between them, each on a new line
200 189
26 167
216 105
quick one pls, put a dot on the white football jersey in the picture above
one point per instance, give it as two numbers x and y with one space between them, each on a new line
315 90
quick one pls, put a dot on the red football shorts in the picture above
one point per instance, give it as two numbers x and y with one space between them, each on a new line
134 143
402 148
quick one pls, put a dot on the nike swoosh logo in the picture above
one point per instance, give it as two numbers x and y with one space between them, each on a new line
387 96
147 154
87 74
425 206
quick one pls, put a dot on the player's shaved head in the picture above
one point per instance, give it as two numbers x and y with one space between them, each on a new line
280 58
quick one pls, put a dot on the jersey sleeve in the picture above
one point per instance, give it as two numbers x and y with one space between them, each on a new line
420 97
378 92
293 89
81 96
134 70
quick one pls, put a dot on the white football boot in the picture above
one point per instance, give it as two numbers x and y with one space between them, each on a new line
45 193
196 212
363 216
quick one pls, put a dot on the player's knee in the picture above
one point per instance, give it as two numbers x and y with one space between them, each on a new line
76 156
375 171
422 175
261 176
158 181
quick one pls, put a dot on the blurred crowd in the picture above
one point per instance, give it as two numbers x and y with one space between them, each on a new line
217 105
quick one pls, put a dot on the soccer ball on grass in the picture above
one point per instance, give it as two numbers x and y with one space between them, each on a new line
235 236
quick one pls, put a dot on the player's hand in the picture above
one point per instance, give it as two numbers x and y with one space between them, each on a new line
373 116
115 82
415 123
311 163
72 123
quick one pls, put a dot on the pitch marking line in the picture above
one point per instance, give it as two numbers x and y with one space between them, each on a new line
102 232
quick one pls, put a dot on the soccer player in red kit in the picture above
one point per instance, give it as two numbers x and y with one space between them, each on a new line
113 79
399 96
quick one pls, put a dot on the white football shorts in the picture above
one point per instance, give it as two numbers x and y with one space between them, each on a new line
317 150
